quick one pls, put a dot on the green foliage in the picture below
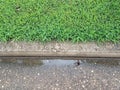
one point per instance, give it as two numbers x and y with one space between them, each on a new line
60 20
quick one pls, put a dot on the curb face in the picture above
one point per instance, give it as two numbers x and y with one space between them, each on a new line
55 49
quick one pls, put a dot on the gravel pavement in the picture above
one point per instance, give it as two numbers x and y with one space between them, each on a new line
87 76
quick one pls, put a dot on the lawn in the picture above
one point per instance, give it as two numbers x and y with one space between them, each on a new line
60 20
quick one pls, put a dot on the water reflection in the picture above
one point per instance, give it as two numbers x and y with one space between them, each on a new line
59 62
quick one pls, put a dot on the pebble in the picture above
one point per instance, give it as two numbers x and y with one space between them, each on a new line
92 71
2 86
38 74
57 84
83 86
24 78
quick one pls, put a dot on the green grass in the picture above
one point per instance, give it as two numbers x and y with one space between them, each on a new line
60 20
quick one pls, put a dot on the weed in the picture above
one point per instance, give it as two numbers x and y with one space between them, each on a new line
60 20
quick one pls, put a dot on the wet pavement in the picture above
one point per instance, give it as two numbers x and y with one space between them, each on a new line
60 75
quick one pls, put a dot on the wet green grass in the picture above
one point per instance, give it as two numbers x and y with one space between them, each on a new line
60 20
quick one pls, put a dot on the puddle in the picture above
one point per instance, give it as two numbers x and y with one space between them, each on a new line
28 62
59 62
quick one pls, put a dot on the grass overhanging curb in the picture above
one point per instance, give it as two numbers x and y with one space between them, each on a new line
60 20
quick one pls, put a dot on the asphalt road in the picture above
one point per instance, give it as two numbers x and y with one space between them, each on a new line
64 76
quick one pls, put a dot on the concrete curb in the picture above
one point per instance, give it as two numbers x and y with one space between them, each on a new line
55 49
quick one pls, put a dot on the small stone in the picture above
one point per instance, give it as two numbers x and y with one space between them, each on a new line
83 86
84 81
53 73
24 78
92 71
113 74
38 87
38 74
2 86
75 68
57 84
74 76
7 82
